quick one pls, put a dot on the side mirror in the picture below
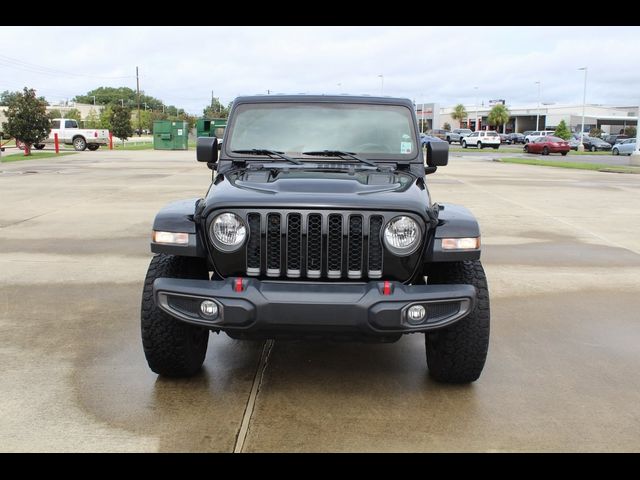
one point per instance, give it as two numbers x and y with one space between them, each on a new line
437 154
207 149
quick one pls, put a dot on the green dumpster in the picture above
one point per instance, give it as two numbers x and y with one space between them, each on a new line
170 135
206 127
203 127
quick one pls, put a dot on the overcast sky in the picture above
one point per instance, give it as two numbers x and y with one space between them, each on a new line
182 65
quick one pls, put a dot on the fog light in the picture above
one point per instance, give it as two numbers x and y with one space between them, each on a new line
209 309
416 313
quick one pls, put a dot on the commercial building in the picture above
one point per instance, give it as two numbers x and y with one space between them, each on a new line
608 118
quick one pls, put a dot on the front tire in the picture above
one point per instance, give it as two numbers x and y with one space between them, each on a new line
593 148
457 354
615 151
545 151
172 348
526 149
79 144
464 144
480 145
93 147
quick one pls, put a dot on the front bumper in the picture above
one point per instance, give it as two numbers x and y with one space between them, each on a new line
264 306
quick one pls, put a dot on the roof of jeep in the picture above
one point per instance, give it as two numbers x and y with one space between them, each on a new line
324 98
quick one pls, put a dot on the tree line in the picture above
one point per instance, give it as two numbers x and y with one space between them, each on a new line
109 98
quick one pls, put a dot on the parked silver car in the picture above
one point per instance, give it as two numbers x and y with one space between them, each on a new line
457 134
624 147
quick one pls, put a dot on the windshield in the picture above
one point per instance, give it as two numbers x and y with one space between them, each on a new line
385 131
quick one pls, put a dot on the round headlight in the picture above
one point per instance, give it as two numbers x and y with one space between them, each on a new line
402 235
228 232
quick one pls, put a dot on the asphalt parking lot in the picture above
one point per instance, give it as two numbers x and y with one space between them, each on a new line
562 254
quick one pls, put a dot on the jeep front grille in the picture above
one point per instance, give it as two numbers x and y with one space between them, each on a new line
334 245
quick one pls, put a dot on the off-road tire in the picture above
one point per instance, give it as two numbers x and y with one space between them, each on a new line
457 354
172 348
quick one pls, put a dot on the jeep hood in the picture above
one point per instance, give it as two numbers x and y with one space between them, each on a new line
318 189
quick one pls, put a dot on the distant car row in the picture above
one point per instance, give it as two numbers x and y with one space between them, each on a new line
551 144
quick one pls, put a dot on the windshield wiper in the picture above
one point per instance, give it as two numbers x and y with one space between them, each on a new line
341 154
269 153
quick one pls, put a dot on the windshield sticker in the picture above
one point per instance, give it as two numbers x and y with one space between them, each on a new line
405 147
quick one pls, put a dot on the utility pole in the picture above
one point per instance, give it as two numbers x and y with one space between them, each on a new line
138 89
584 101
634 159
538 114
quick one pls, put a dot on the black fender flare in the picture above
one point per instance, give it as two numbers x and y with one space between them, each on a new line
179 217
454 221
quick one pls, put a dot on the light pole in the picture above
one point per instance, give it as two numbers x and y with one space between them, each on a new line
584 100
538 114
381 84
422 113
94 100
635 156
475 126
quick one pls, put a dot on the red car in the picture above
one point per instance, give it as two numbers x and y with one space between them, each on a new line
546 145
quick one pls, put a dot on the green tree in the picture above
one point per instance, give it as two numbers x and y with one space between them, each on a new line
7 97
27 119
146 119
104 120
563 131
446 126
499 115
54 113
73 114
216 110
92 120
595 132
121 122
631 131
459 113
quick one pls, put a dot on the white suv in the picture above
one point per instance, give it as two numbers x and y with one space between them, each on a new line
540 133
482 139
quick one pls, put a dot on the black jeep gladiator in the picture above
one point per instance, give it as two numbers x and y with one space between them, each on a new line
318 223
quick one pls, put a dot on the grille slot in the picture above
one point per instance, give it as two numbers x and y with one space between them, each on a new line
375 247
314 245
294 245
253 245
273 245
355 246
334 246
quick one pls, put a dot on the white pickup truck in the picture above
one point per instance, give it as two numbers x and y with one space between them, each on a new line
81 138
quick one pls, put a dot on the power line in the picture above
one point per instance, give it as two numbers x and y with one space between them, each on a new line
43 70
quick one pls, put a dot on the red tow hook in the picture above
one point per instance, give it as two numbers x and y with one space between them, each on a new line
238 285
386 289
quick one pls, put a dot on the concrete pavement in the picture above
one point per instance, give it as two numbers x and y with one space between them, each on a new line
560 247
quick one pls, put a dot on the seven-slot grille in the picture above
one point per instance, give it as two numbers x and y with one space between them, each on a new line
333 245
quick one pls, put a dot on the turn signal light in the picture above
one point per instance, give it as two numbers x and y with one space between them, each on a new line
472 243
175 238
